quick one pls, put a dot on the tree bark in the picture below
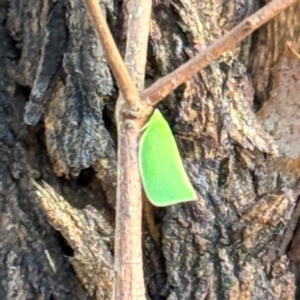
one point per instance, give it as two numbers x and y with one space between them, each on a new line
57 102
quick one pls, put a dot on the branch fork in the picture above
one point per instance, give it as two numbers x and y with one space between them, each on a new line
135 106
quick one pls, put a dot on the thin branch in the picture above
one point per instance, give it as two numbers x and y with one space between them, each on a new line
164 86
137 40
113 56
128 229
129 279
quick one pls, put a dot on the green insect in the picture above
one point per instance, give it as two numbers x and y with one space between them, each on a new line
163 175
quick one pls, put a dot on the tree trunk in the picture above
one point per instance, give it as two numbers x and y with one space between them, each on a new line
57 102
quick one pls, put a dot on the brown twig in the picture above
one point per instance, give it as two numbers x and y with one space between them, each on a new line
113 56
164 86
129 279
137 40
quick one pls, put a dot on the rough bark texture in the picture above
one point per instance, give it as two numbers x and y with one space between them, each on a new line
56 104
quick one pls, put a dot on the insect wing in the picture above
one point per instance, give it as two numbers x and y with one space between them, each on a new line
163 175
